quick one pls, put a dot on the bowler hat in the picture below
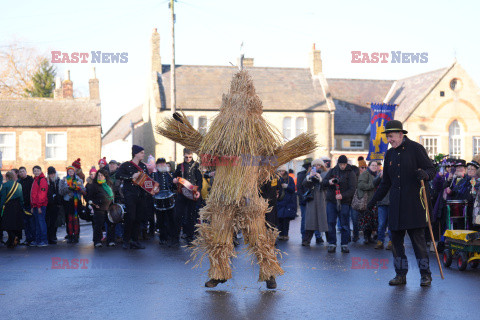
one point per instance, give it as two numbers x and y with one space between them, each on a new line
474 163
394 126
459 163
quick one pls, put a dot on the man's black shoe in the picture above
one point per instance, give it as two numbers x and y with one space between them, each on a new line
398 280
426 280
319 240
271 283
332 248
212 283
345 249
136 245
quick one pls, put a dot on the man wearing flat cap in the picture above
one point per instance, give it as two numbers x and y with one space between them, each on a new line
406 164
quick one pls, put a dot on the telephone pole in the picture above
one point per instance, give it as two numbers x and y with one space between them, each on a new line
173 89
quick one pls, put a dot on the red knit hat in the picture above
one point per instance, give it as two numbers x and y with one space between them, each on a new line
77 164
103 161
93 169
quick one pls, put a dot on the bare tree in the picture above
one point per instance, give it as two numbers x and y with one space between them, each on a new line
18 64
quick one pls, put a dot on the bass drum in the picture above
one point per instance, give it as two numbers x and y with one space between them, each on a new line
116 212
164 200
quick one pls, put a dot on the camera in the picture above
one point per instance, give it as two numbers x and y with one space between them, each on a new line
335 180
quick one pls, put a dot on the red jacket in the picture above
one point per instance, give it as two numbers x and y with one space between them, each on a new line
38 196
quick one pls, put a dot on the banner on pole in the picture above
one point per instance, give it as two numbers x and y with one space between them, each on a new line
381 113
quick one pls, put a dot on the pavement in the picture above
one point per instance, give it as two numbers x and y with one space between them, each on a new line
156 283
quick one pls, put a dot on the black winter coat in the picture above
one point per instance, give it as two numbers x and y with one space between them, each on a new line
27 189
98 196
347 180
400 177
125 173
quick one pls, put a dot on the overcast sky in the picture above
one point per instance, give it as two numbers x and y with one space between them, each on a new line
275 33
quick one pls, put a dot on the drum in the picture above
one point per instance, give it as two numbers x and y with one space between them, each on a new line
457 208
164 200
116 212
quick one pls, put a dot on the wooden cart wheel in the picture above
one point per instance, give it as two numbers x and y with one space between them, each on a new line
462 261
447 258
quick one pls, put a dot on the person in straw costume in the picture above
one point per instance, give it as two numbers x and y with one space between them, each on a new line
244 150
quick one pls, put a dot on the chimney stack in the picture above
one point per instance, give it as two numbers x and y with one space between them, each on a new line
315 61
248 62
58 92
156 61
93 85
67 86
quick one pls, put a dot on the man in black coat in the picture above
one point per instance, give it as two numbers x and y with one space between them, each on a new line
186 208
134 196
28 220
341 183
405 165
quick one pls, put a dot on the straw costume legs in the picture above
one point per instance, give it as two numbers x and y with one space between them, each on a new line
216 237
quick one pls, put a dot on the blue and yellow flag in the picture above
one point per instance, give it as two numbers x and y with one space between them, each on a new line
380 115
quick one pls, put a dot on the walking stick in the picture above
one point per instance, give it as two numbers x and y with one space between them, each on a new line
425 200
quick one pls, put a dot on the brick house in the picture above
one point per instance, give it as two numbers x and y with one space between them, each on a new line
51 131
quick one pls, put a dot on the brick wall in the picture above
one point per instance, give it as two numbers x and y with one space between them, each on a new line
82 142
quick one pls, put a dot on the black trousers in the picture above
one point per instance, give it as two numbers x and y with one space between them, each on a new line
135 206
417 237
51 220
99 220
283 226
166 224
185 209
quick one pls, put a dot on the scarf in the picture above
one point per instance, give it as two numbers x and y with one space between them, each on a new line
107 189
72 183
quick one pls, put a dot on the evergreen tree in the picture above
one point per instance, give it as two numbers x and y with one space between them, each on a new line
43 81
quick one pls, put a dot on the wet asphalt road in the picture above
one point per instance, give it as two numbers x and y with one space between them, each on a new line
155 283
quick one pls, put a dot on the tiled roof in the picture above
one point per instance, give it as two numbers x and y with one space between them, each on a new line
408 93
48 112
351 98
283 89
121 129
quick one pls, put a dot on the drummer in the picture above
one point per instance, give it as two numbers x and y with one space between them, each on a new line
164 200
459 187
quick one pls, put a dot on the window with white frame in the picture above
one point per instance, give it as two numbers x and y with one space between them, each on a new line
191 120
7 145
300 125
202 125
56 146
455 139
352 143
431 145
476 145
287 128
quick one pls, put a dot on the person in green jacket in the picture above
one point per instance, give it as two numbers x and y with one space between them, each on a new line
11 207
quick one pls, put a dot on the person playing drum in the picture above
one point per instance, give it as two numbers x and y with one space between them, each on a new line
164 202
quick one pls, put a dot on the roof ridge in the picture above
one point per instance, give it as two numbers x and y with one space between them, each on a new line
430 89
235 67
118 120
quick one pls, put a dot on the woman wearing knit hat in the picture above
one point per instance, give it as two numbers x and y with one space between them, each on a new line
78 169
71 189
366 218
316 212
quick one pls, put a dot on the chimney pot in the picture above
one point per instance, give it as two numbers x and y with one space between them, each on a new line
315 61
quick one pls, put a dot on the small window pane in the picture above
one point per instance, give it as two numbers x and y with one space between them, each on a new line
287 128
